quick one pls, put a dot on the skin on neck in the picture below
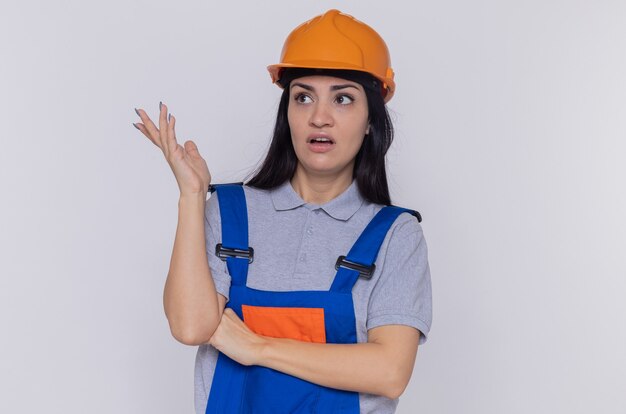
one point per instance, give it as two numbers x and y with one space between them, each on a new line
319 189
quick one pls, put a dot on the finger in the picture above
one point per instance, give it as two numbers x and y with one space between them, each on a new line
171 131
144 131
186 156
195 159
163 130
197 162
192 149
151 129
193 156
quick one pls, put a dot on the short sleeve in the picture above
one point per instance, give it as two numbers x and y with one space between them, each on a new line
213 235
403 293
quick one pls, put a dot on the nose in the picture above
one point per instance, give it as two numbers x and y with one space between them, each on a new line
321 115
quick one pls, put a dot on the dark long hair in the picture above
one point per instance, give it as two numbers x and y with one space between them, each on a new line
369 166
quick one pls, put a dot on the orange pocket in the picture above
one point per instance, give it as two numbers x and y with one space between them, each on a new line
302 324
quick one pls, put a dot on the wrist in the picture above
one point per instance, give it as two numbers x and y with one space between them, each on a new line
264 350
192 204
192 197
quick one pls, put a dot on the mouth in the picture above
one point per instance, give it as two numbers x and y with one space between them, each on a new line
320 143
320 139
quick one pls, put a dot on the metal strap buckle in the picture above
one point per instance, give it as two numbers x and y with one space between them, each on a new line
225 252
364 271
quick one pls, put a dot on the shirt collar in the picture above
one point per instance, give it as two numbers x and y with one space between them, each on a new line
284 197
341 207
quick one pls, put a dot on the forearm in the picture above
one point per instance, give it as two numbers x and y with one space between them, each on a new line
363 367
190 298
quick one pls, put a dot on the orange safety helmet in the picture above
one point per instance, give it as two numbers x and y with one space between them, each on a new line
335 40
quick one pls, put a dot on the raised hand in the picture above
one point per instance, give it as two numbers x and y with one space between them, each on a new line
190 169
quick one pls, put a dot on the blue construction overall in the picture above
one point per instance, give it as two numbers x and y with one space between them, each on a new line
314 316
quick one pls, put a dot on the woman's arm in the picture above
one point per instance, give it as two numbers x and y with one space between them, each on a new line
382 366
192 306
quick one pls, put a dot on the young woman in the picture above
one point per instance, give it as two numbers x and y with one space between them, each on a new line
305 289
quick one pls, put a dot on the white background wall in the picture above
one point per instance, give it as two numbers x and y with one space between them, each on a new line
511 120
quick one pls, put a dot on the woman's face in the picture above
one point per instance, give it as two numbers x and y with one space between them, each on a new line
328 118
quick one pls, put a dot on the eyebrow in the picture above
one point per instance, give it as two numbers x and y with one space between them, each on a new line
332 88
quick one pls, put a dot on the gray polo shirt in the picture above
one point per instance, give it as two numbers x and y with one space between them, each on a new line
296 245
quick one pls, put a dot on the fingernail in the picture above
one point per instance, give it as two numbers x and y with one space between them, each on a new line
137 111
136 126
160 104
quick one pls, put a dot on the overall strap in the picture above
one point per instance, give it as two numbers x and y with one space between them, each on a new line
360 260
234 248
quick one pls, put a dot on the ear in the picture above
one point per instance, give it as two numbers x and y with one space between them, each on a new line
367 130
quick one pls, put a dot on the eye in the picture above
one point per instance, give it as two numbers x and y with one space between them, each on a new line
344 99
302 98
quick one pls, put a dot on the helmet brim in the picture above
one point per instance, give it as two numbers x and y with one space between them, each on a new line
275 71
